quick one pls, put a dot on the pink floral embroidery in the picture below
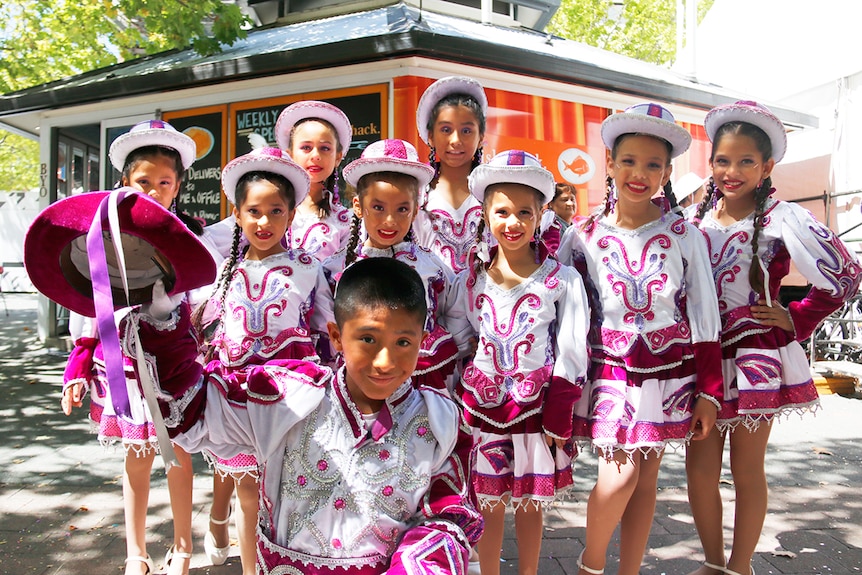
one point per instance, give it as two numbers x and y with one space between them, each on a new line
339 504
383 455
421 431
322 465
301 480
387 491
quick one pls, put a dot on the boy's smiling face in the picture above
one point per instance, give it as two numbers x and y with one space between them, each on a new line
380 347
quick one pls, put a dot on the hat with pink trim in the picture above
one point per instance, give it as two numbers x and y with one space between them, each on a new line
59 250
512 167
650 120
750 113
309 110
440 89
265 160
152 133
389 156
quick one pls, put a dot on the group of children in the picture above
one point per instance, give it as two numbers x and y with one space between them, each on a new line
380 386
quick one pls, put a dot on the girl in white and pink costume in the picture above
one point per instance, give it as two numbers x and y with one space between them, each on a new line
530 315
752 240
451 120
270 303
655 378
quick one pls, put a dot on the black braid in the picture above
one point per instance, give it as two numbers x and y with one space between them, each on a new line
435 163
350 257
671 197
706 203
409 237
755 274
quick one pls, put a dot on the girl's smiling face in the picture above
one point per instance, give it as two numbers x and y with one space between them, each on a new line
512 213
639 168
264 217
387 207
738 167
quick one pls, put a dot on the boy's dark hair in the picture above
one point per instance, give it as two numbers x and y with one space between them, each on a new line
375 282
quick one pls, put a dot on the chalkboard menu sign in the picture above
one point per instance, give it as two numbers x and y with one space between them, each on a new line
201 196
365 107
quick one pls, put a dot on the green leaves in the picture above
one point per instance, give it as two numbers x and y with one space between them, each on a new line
641 29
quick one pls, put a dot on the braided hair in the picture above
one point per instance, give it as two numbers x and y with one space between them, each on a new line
324 205
401 181
761 192
138 155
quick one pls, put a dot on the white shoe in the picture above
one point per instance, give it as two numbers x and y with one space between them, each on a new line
216 555
145 560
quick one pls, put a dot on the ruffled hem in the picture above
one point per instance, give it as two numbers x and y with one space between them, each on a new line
238 467
273 559
751 421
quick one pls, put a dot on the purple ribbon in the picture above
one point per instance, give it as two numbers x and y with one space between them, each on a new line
103 301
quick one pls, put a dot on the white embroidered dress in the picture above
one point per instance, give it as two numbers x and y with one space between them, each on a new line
448 232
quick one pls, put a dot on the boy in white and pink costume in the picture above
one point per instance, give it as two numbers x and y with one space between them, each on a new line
345 489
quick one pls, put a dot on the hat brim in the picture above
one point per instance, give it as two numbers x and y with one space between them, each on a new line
310 109
358 168
48 247
760 117
236 168
628 123
439 90
533 176
126 143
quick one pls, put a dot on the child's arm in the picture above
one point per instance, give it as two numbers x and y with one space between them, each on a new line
572 356
447 524
321 315
825 261
452 313
705 322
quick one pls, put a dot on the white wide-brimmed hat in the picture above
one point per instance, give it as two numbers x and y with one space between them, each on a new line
313 109
389 156
265 160
439 90
687 185
512 167
751 113
152 133
648 119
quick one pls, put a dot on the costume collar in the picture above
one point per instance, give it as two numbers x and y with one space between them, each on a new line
385 418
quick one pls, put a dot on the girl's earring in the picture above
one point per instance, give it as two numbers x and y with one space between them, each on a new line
174 206
537 242
483 251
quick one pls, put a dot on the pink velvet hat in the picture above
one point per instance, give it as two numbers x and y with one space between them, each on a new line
156 244
152 133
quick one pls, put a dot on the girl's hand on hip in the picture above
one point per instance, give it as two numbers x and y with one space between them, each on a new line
777 315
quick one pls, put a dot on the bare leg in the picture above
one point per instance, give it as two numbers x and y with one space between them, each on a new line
220 508
180 484
529 522
703 470
747 457
246 523
136 497
617 479
638 516
490 545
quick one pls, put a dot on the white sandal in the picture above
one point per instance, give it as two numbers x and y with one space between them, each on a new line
581 565
732 572
714 566
216 555
145 560
173 554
